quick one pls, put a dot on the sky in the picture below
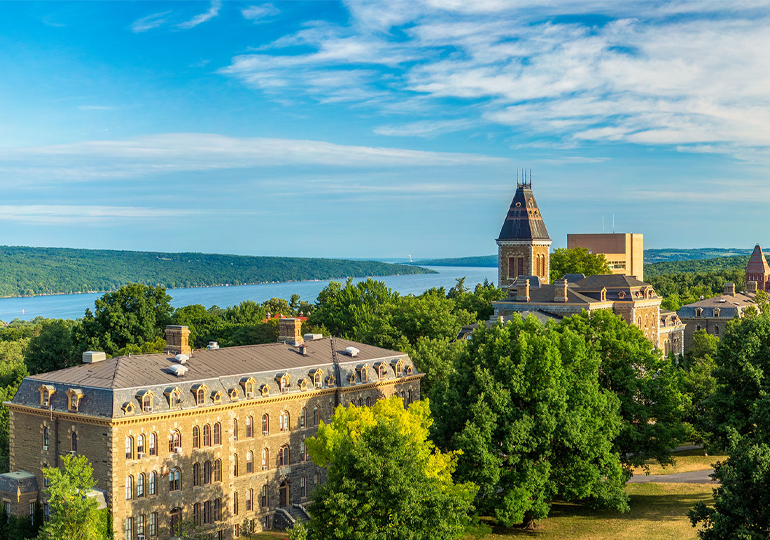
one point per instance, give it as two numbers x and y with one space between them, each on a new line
381 129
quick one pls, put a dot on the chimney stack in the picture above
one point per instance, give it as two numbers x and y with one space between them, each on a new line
522 291
290 331
560 290
751 286
729 289
177 339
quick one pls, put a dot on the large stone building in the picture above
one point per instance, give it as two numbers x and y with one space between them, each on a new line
713 314
624 251
757 272
523 267
216 438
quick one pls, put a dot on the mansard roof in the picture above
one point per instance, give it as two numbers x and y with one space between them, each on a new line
524 221
757 262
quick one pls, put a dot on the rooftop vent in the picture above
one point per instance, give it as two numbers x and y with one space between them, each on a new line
91 357
212 345
351 351
178 369
181 358
312 337
303 349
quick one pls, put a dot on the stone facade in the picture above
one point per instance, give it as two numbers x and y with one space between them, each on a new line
713 314
231 470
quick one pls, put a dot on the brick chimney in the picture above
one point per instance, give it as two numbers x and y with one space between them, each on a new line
560 290
177 339
290 331
729 289
522 291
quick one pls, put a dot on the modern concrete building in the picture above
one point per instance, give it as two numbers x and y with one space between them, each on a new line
215 437
624 251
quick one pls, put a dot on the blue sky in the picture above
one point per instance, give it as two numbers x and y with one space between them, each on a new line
380 129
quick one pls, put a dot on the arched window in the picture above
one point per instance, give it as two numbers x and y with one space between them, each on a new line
196 474
364 373
129 448
303 486
140 444
140 485
74 402
284 421
318 379
249 387
147 402
315 415
174 441
235 429
46 437
151 483
201 396
302 450
249 464
302 417
129 487
283 455
206 435
217 509
175 480
408 397
74 442
360 402
249 427
382 370
217 433
368 402
235 465
196 436
173 399
265 455
265 424
207 472
217 470
197 514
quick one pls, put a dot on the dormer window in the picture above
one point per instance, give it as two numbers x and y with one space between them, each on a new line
264 390
46 392
303 384
284 382
603 294
330 380
73 399
318 377
146 398
352 378
621 295
249 386
399 369
408 370
217 397
128 408
382 370
199 390
698 312
364 371
716 312
234 393
174 396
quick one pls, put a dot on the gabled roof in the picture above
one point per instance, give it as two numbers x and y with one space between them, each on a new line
757 262
523 221
609 281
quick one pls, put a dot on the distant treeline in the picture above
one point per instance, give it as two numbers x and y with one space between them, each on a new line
485 261
35 271
720 264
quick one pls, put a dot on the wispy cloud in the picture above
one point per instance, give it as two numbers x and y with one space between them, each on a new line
52 214
260 13
212 12
148 23
96 108
424 128
634 72
174 152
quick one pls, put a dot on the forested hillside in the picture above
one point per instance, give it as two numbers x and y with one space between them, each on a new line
34 271
719 264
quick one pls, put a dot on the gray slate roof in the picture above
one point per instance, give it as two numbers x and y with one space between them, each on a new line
523 221
108 386
727 305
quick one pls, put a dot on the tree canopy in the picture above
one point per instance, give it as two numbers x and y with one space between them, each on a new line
525 409
386 480
577 261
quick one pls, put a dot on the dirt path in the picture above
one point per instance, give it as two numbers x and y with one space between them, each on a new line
694 477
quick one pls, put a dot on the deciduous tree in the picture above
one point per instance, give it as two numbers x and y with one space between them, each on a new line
577 261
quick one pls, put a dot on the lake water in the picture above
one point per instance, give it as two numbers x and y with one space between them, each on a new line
73 306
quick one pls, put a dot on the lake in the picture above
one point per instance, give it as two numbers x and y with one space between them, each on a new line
73 306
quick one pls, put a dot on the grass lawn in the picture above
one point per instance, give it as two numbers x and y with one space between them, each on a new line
687 461
658 512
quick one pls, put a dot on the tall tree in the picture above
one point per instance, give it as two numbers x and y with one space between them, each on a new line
134 315
577 261
525 408
52 348
74 515
386 480
648 385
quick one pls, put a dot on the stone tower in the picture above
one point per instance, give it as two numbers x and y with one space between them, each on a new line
523 245
757 272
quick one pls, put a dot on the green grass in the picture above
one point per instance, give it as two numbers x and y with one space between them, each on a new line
658 512
687 461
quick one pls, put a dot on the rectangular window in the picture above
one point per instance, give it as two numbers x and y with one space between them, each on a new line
154 524
249 498
46 512
235 503
140 524
32 512
511 267
521 267
129 528
236 530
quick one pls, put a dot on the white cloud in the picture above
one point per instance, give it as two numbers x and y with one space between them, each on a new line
424 128
651 73
175 152
259 13
213 11
148 23
44 213
96 108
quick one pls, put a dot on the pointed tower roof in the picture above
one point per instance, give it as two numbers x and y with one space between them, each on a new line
757 262
523 221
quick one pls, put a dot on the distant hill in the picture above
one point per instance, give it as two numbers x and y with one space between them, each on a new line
650 256
35 271
719 264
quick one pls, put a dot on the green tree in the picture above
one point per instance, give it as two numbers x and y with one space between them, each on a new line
525 409
478 302
386 480
648 385
698 381
577 261
11 376
135 314
52 348
74 515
